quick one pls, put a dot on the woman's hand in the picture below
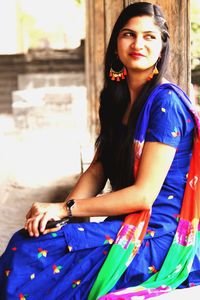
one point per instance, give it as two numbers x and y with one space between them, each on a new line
40 214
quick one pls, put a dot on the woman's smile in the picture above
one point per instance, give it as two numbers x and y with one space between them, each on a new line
136 55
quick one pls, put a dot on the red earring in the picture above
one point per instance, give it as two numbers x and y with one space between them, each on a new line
118 75
117 70
155 72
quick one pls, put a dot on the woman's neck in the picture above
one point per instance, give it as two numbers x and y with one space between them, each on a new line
135 87
136 81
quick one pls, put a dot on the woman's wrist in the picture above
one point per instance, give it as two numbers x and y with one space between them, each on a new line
69 206
63 210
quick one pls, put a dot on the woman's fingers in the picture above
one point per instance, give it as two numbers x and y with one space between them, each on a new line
28 215
43 222
36 209
32 225
37 225
40 214
28 227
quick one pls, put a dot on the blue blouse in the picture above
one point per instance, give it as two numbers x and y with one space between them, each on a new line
170 123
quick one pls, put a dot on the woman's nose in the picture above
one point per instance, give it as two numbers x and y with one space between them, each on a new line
138 43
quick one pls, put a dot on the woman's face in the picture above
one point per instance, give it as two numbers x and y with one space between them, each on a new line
139 43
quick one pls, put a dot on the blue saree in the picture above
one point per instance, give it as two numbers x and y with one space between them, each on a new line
67 264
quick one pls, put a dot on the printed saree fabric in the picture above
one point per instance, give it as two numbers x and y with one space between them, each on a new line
179 259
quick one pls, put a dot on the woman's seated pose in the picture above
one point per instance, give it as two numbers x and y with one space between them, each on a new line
148 149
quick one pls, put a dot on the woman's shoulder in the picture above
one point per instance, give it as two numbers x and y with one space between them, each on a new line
169 98
170 119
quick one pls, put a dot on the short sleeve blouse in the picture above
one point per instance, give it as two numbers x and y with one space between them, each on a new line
170 123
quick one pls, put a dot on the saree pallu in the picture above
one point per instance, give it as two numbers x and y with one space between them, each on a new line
179 259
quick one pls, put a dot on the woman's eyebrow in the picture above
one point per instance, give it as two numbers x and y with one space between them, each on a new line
128 29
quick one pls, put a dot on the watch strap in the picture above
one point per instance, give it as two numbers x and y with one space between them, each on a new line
70 203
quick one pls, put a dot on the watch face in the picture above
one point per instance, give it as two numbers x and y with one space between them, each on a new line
70 203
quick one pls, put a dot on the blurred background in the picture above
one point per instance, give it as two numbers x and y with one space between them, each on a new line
43 105
47 121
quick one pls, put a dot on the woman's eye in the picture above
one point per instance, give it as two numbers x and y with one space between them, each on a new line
150 37
129 34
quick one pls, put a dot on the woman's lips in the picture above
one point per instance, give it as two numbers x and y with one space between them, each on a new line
136 54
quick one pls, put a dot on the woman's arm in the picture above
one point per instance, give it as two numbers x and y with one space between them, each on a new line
154 166
90 183
155 163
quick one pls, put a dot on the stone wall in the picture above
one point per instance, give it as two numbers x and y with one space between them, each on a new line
35 62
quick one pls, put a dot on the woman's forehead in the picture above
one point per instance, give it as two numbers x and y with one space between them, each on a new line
142 24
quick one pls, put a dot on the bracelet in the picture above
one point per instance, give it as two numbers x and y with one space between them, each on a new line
70 203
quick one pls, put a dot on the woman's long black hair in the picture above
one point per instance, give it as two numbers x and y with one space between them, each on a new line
115 148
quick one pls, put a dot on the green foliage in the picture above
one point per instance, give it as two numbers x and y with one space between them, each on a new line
78 1
195 39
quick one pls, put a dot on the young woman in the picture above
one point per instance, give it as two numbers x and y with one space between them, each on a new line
148 244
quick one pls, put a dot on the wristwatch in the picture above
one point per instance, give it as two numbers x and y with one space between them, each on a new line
70 203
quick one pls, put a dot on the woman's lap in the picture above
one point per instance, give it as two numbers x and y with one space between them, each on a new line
30 266
43 268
